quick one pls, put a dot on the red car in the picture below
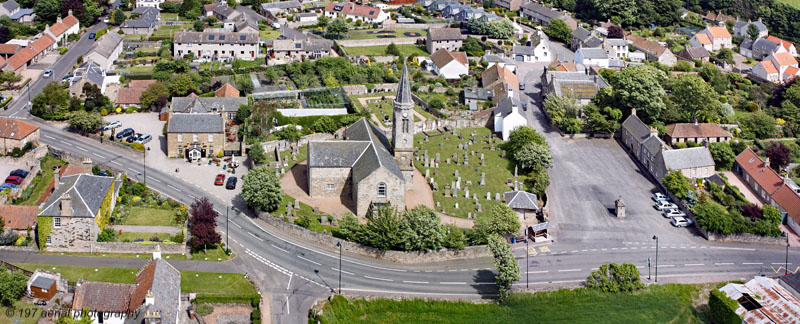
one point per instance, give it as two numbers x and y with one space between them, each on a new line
220 180
16 180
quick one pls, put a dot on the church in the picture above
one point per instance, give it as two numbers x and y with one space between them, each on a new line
366 166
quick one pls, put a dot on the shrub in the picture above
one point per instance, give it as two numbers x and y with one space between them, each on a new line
107 235
723 308
177 238
204 310
613 277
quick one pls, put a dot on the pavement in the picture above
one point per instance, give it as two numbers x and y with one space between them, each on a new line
232 266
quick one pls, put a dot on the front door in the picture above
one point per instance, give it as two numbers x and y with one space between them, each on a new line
194 154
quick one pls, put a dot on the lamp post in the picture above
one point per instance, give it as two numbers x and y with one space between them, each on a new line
527 256
786 267
339 244
648 268
144 166
227 210
656 238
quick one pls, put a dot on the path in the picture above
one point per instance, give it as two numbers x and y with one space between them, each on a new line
748 193
147 229
233 266
295 184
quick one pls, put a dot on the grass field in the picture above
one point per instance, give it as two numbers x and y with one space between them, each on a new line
131 236
215 254
405 50
793 3
270 33
672 303
399 33
150 216
140 69
146 256
42 180
191 282
26 317
497 170
302 153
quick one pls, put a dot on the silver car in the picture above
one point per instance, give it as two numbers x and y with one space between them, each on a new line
663 204
143 139
681 222
670 212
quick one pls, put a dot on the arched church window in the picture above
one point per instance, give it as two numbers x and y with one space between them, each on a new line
381 189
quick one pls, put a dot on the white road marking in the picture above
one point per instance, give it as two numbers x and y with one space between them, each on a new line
347 272
693 264
275 246
48 136
723 263
173 188
132 170
290 282
234 223
415 282
569 270
314 262
195 198
752 263
565 281
666 265
257 238
82 149
452 283
376 278
65 143
730 248
639 267
154 179
543 271
781 263
409 292
117 163
574 251
287 299
102 157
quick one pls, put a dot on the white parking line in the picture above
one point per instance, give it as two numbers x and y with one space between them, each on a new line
376 278
415 282
452 283
569 270
314 262
347 272
257 238
275 246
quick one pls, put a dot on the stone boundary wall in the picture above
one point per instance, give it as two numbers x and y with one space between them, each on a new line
376 42
394 25
393 256
78 160
125 247
30 248
31 162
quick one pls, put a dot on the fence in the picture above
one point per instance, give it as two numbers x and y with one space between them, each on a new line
12 268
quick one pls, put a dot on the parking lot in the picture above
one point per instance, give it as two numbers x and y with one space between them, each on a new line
202 175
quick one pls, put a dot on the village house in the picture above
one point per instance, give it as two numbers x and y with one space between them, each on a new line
19 219
274 8
492 59
537 51
592 57
508 117
149 3
757 175
227 91
653 50
692 162
63 28
584 38
195 135
718 18
474 97
15 133
701 40
695 132
8 50
77 210
449 65
354 11
30 54
719 36
542 15
91 73
143 21
131 96
106 50
634 135
787 200
694 53
301 50
582 86
221 11
510 5
24 16
501 81
741 27
9 8
217 45
444 38
227 106
525 204
153 298
307 17
777 68
616 48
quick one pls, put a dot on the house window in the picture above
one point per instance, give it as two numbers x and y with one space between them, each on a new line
48 240
180 149
44 291
194 137
381 189
210 137
57 222
180 137
211 150
329 186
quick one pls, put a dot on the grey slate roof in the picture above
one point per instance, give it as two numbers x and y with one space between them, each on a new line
478 93
11 5
636 127
523 50
494 58
281 5
521 200
653 145
86 192
593 42
195 123
743 24
694 157
105 45
147 17
336 154
593 53
166 290
506 106
379 155
404 87
42 282
695 52
443 34
583 86
207 104
764 46
216 38
308 44
581 33
22 12
616 42
542 10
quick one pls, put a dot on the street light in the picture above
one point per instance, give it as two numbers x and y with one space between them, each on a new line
656 238
786 267
339 244
527 256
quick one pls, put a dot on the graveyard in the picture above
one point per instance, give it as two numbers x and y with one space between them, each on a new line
467 170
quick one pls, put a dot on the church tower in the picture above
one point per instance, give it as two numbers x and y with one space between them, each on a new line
403 127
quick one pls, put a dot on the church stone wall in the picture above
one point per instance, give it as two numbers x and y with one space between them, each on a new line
319 178
366 191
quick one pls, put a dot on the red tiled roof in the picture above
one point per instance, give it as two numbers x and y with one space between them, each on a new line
349 8
777 40
18 60
692 130
769 67
69 21
703 39
755 167
130 96
227 91
789 201
58 28
15 129
103 296
141 83
784 59
718 32
497 72
70 169
9 48
647 46
144 282
443 57
18 217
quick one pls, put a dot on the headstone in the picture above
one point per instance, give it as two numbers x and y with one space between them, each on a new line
488 196
316 210
426 138
503 154
277 171
435 173
447 192
478 169
472 153
480 210
469 215
483 162
288 205
483 179
466 192
283 171
323 219
482 157
475 197
456 205
437 165
437 204
497 196
468 182
335 221
456 173
447 161
460 147
437 158
427 173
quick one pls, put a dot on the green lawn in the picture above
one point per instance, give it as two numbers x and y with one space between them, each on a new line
215 283
367 33
215 254
793 3
140 69
150 216
41 181
168 30
30 313
270 33
305 210
405 50
497 170
165 16
286 155
131 236
73 273
146 256
670 303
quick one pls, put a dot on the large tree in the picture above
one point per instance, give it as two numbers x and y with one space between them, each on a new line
639 87
153 92
722 154
426 227
522 136
533 157
779 155
204 224
12 286
507 266
621 12
612 277
181 84
501 219
9 78
84 121
261 189
52 103
759 125
695 99
559 31
501 28
93 97
338 26
47 10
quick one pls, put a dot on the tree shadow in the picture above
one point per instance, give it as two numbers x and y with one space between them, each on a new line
483 282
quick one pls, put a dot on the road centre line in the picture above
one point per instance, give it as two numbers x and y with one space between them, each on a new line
193 197
413 293
173 188
257 238
65 143
452 283
781 263
98 155
569 270
753 263
48 136
132 170
275 246
347 272
376 278
723 263
693 264
234 223
154 179
666 265
82 149
542 271
117 163
415 282
314 262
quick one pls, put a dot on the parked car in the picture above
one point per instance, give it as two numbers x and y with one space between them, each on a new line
16 180
19 173
681 222
125 133
92 35
659 196
663 204
231 184
669 213
522 86
103 173
41 302
47 73
144 138
132 138
10 186
524 107
112 125
219 180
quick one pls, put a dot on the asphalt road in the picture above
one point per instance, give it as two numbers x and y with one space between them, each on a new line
295 273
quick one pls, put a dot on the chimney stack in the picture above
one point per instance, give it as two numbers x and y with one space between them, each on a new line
66 205
87 165
150 298
633 111
766 164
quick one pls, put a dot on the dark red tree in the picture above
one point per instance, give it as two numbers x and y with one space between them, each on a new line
616 32
779 155
4 34
204 234
77 9
752 211
202 212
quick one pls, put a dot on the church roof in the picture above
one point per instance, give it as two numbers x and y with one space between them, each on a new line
404 87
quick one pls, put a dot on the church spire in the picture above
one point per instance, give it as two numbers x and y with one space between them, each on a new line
404 87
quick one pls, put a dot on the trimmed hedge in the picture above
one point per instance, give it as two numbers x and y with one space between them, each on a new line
253 299
308 121
723 308
6 101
